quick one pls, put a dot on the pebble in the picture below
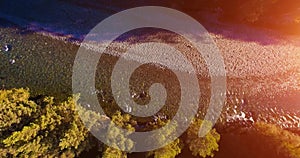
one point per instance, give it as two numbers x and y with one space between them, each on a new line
139 96
134 95
7 47
128 108
242 101
12 61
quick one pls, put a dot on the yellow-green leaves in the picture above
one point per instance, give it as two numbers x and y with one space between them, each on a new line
110 152
26 134
170 150
284 142
119 138
47 129
202 146
15 106
73 136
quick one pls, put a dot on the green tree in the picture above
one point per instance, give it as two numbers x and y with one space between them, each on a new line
15 107
284 141
110 152
170 150
202 146
49 129
117 138
45 127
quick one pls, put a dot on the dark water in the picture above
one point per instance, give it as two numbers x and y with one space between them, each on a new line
64 17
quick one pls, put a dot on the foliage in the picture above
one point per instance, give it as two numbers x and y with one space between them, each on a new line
199 146
202 146
110 152
283 141
43 127
170 150
15 106
119 138
46 130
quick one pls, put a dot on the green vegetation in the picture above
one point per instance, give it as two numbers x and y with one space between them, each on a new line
45 127
170 150
202 146
110 152
283 141
45 130
119 138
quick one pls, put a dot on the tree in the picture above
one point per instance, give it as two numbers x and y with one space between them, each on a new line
44 127
117 138
285 142
202 146
49 129
170 150
15 106
111 152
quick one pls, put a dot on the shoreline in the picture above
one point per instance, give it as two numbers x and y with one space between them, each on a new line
44 64
262 66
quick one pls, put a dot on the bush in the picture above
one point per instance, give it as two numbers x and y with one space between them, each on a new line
43 127
47 129
202 146
170 150
283 141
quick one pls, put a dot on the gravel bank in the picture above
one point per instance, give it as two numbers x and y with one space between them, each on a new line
262 67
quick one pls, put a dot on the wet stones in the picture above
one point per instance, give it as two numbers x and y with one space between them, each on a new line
12 61
236 98
7 48
128 108
141 95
